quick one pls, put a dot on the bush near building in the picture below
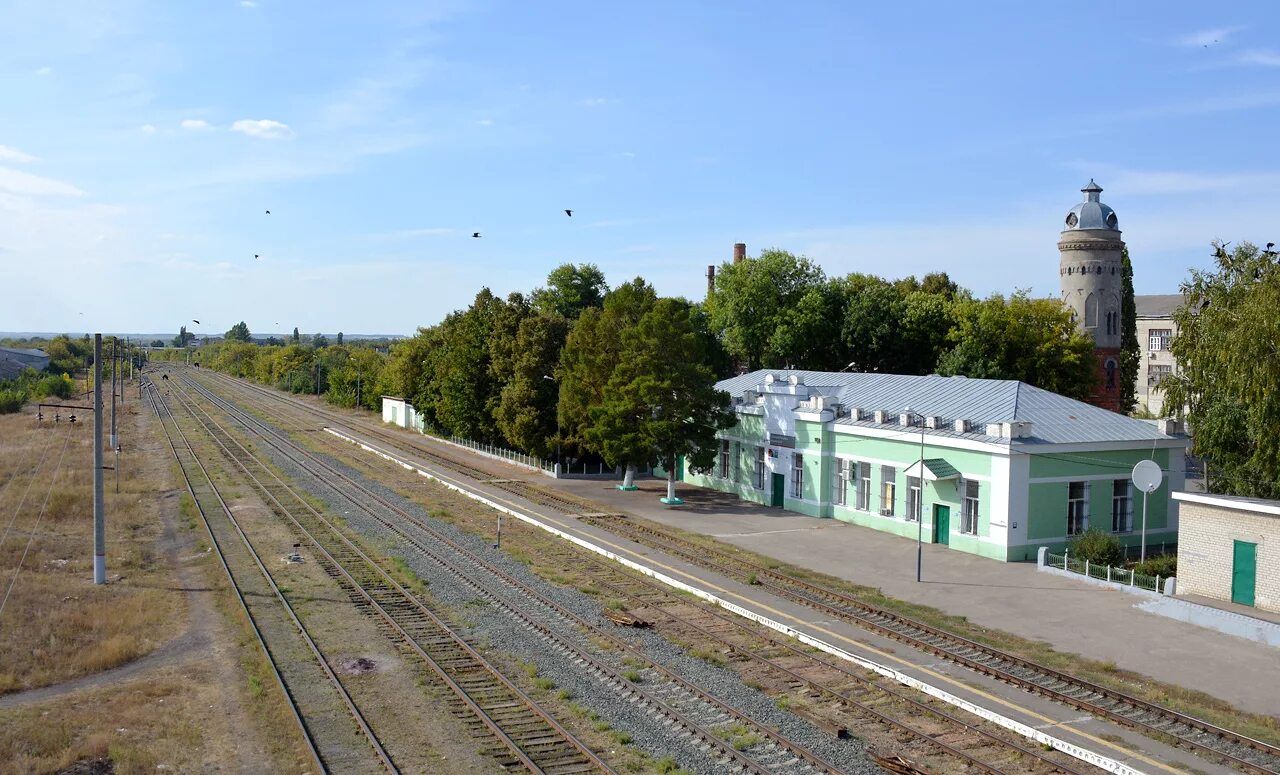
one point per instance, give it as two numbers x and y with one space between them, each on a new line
1098 547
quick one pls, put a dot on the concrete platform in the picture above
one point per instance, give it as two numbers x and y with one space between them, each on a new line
774 530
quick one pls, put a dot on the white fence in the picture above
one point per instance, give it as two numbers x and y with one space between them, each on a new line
1120 576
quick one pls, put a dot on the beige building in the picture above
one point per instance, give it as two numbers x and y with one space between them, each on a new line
1155 332
1229 549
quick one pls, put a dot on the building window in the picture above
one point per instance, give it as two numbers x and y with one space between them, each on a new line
888 489
1121 507
1091 311
863 490
737 463
1156 372
840 485
759 468
724 459
969 511
1077 508
1111 373
1159 339
797 475
913 498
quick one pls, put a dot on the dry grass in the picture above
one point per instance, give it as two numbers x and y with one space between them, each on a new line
57 624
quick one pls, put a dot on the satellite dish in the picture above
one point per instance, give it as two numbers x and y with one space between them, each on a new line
1147 476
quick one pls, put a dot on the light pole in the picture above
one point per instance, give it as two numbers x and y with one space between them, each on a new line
553 379
919 500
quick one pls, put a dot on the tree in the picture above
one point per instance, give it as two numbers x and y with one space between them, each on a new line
571 289
238 333
753 299
297 338
1032 340
183 338
1226 350
319 341
661 404
526 410
592 351
157 343
339 337
1130 355
809 337
467 391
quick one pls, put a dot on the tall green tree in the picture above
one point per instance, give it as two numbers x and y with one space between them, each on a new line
592 351
297 337
238 333
319 341
754 298
1225 347
468 393
526 410
183 338
339 339
1032 340
1130 355
661 404
809 337
570 289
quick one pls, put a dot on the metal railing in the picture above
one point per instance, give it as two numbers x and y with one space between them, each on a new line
509 455
1122 576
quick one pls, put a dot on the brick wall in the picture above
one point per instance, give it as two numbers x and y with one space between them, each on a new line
1205 541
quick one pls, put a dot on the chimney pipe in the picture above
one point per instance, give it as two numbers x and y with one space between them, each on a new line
739 251
711 279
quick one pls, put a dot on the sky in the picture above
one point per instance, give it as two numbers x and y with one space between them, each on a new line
141 144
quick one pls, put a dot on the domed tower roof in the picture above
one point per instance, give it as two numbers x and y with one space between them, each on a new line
1092 213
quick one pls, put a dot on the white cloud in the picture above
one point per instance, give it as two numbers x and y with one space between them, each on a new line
594 102
14 155
485 122
33 185
1134 182
147 129
194 124
1263 57
45 71
248 4
628 155
264 128
1208 37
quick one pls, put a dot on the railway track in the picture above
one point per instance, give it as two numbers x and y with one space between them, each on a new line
734 739
1240 751
526 737
331 724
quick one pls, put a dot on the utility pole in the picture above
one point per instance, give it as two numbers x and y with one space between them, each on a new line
99 526
115 346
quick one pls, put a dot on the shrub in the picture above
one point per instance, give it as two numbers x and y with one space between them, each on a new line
1097 546
1163 565
12 400
55 385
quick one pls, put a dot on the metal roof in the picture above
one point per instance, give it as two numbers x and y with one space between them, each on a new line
32 353
1054 419
1092 213
1158 306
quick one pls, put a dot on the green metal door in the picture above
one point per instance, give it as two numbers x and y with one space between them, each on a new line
1244 571
941 524
779 489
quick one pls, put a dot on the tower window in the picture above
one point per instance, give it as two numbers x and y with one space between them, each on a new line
1111 373
1111 220
1091 311
1071 220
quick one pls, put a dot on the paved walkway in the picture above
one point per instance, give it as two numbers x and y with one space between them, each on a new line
1072 616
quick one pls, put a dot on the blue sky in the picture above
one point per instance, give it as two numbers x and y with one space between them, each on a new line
141 143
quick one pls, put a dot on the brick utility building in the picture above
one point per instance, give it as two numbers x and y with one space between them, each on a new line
1007 467
1229 548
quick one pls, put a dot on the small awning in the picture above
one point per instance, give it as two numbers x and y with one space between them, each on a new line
935 470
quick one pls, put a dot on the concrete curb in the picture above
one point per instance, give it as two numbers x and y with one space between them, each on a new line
1078 752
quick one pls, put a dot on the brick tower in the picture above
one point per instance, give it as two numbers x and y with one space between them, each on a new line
1091 277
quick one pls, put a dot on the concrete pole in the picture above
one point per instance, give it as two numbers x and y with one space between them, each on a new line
99 527
115 346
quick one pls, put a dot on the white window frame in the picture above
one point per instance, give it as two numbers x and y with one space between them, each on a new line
1158 339
970 508
737 462
759 468
862 490
1078 509
915 498
888 491
797 475
724 458
840 483
1122 507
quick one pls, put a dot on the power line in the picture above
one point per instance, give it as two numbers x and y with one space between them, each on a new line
53 480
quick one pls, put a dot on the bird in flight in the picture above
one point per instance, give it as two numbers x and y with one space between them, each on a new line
569 213
475 235
268 212
255 255
1270 245
193 320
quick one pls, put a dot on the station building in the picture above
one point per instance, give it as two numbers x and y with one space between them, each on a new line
1007 467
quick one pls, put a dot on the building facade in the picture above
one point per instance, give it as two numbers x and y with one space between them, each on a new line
991 467
1229 549
1156 330
14 360
1090 272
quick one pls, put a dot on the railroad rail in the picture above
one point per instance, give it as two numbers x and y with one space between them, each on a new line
1238 750
329 738
530 739
664 694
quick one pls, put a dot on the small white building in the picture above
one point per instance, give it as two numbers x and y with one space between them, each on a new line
398 411
1229 548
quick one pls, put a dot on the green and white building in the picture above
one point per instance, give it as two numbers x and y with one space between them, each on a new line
1007 467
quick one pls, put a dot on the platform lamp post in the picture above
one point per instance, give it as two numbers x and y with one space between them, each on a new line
558 459
919 500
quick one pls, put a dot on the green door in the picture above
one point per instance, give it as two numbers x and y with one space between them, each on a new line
941 524
1244 570
779 489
